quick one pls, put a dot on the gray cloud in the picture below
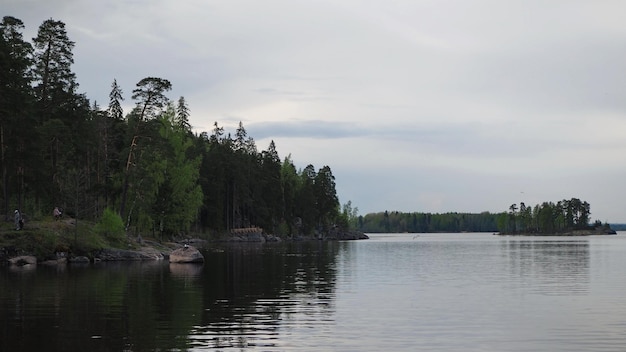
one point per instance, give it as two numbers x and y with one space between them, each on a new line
417 105
309 129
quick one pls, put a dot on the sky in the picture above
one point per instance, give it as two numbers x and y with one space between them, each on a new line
416 105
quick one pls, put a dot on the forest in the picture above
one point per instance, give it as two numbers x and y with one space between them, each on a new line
547 217
147 166
59 149
544 218
399 222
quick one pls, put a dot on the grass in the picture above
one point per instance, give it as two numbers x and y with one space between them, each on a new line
44 239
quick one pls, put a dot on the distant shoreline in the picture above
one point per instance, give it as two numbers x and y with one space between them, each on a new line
594 232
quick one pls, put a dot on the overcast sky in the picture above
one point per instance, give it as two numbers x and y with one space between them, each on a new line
427 106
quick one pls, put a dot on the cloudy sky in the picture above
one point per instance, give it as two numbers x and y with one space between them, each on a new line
427 106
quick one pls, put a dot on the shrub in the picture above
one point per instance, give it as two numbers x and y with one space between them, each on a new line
111 226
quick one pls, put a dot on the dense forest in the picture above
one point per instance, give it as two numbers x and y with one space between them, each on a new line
58 149
398 222
545 218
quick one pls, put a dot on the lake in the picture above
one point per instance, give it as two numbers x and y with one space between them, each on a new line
393 292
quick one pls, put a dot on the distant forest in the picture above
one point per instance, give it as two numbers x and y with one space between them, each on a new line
398 222
546 218
58 149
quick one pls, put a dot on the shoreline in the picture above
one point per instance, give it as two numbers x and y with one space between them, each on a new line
594 232
50 243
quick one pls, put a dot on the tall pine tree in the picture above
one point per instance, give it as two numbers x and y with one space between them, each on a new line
15 110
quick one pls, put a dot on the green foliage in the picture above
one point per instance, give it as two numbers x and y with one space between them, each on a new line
179 194
16 111
283 229
44 238
398 222
147 167
111 226
350 216
549 217
53 74
150 96
83 240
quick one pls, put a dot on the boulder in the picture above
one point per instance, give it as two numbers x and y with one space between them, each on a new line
186 254
79 260
23 260
53 262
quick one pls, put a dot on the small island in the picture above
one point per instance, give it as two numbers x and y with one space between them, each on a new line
563 218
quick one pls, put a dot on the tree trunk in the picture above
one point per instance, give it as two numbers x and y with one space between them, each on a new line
127 175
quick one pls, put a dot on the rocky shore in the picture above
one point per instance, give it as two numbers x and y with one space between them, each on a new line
255 234
183 250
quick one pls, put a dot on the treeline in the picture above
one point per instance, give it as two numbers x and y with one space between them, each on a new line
398 222
547 217
59 149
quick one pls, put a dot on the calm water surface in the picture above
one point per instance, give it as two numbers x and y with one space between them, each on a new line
426 292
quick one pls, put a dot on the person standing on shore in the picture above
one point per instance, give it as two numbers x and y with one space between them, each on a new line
57 213
18 220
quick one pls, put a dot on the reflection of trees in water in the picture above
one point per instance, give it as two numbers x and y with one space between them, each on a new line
109 306
252 291
242 295
551 267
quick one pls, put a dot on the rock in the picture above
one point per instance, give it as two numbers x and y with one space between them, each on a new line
186 254
247 234
196 241
272 238
151 254
255 237
146 253
336 234
79 260
54 262
23 260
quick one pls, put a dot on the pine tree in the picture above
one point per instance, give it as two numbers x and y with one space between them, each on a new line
182 115
53 75
151 99
306 203
115 102
326 196
62 113
15 112
271 194
289 184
